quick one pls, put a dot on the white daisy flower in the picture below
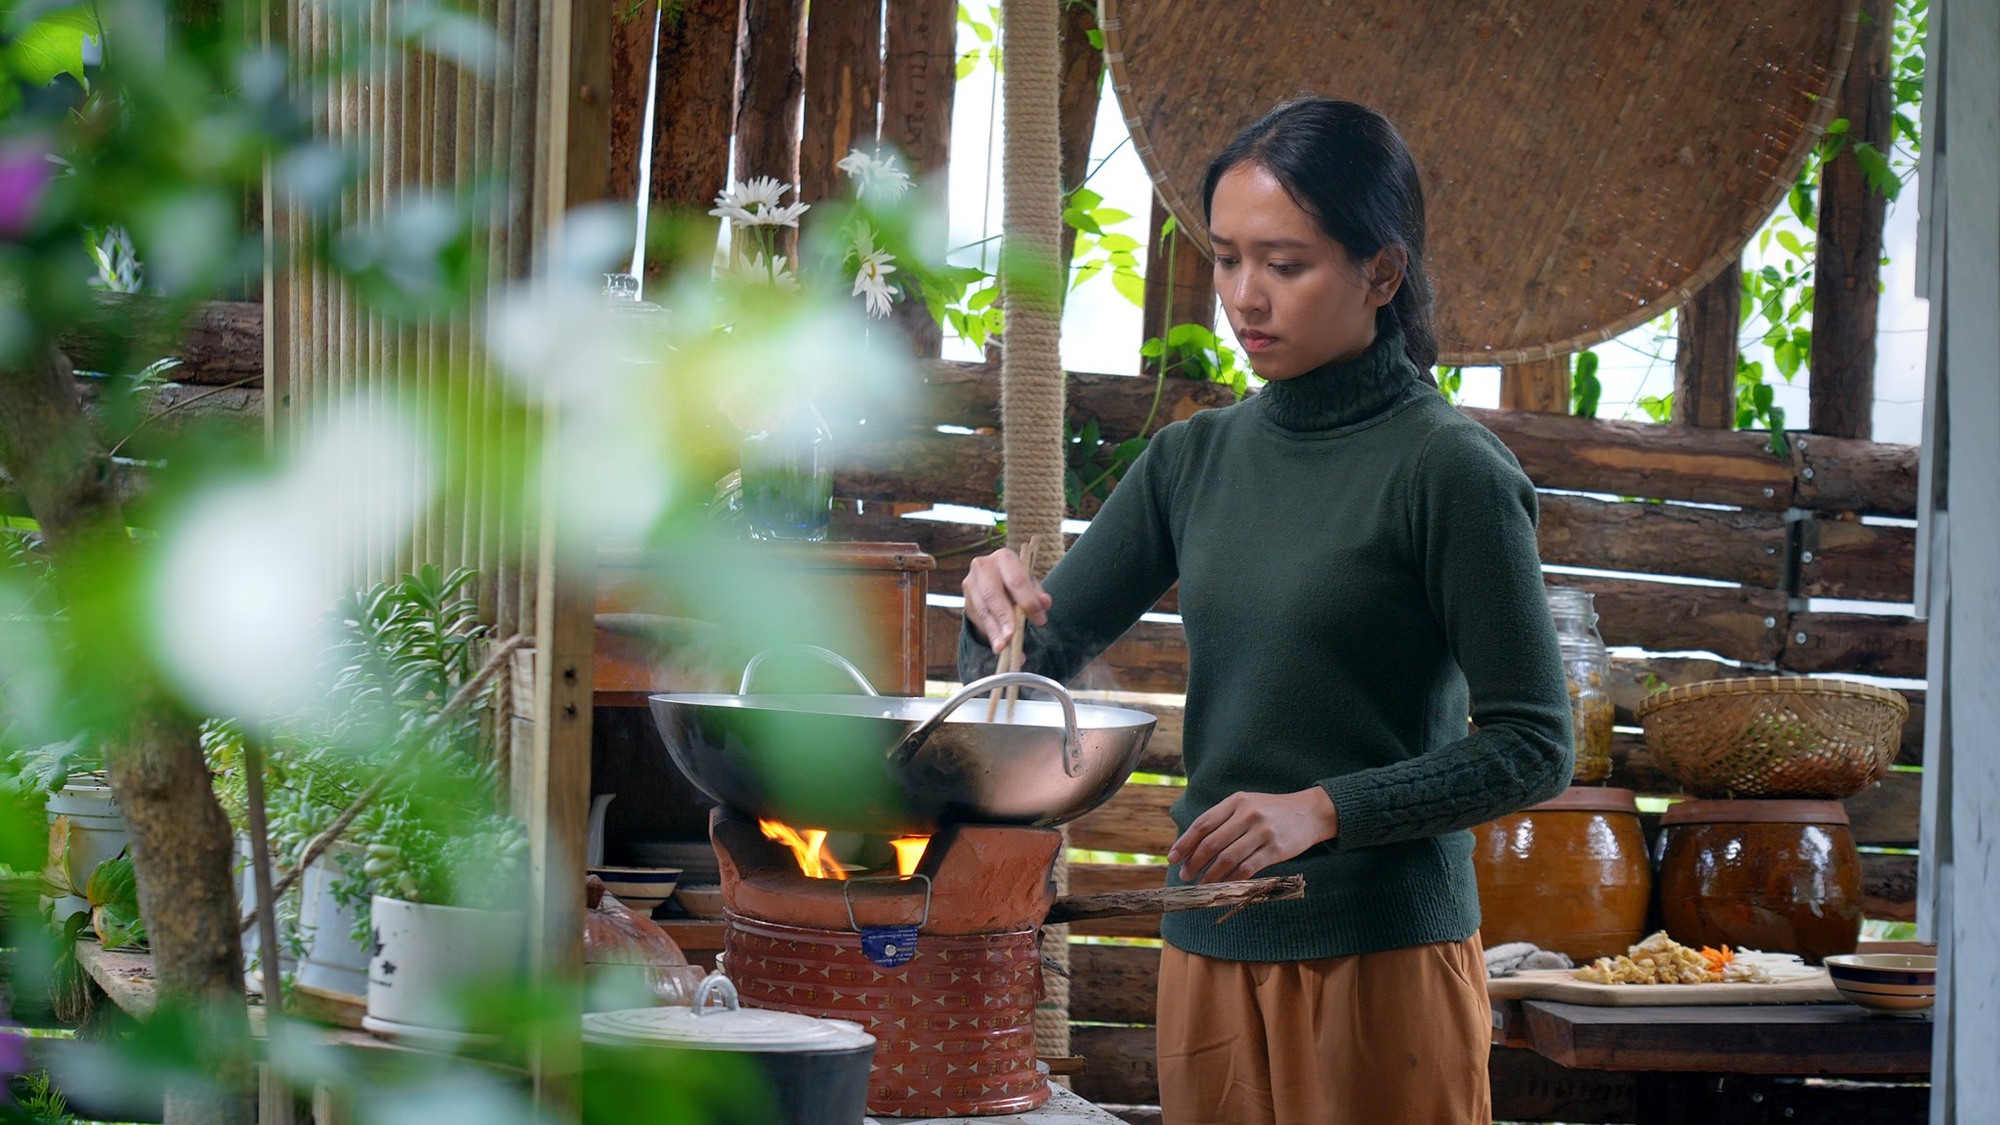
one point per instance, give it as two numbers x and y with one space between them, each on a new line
875 174
755 269
785 216
758 202
872 272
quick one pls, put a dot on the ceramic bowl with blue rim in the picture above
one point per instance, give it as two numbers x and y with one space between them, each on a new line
639 888
1885 982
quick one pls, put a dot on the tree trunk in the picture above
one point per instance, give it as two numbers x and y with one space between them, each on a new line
1705 363
180 837
843 90
1540 385
1847 265
1082 90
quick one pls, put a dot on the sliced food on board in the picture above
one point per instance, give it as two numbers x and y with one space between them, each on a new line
1660 959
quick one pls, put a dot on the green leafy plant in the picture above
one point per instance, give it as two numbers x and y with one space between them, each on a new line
113 891
1101 250
964 299
1450 383
988 34
47 768
1093 466
401 651
1195 351
1584 388
36 1101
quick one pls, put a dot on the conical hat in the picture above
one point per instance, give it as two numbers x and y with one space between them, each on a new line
1587 164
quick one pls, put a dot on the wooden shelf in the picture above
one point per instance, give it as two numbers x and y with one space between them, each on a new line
694 935
127 979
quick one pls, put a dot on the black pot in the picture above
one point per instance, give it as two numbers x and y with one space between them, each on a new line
814 1071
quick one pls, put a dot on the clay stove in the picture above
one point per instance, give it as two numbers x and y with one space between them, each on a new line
943 966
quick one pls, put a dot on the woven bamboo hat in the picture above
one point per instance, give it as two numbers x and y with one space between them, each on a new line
1588 164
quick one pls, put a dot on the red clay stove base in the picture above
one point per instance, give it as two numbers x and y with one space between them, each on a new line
949 991
955 1025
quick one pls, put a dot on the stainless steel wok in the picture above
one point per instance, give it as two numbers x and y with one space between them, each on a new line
890 765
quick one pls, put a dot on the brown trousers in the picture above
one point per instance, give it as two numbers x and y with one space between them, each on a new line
1398 1037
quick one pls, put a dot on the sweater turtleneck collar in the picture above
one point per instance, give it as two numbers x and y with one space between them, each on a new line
1343 392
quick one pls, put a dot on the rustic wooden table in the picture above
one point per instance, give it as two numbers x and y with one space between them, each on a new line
1791 1039
1717 1065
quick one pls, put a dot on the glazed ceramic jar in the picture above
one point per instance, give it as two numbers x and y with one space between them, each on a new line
1780 876
1570 874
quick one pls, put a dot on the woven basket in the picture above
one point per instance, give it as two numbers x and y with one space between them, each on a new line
1775 736
1588 164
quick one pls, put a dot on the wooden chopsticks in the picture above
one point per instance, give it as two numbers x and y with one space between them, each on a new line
1014 658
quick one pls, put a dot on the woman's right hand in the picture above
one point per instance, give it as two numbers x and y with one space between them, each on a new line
995 585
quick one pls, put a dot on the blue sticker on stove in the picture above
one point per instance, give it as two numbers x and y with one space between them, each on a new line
889 946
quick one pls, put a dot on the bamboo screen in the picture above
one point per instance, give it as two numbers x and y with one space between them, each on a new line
422 125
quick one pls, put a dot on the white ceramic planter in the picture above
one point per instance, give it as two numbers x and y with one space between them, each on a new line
334 966
246 897
428 959
96 833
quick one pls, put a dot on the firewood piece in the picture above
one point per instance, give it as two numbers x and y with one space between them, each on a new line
1169 900
217 342
1063 1066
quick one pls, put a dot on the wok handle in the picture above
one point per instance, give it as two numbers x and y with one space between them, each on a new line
825 654
903 751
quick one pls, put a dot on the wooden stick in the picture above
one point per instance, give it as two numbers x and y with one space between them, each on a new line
1168 900
1014 658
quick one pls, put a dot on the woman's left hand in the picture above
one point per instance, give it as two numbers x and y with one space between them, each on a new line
1248 832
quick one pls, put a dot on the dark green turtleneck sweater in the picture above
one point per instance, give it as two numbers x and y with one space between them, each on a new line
1357 574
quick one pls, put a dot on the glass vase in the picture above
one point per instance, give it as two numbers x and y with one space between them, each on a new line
787 469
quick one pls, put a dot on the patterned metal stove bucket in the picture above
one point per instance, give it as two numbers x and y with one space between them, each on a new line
955 1022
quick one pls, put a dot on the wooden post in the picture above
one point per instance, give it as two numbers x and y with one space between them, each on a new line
770 58
1180 283
1847 264
573 131
1705 362
695 103
1540 385
919 77
1964 99
1082 91
843 89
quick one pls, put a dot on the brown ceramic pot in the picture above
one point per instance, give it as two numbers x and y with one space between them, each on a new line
1780 876
1570 874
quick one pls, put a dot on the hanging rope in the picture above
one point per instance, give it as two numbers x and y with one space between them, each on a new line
1031 376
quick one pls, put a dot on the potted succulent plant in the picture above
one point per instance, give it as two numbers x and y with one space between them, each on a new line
445 920
383 788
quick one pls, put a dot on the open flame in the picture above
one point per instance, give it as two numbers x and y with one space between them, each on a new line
808 847
909 852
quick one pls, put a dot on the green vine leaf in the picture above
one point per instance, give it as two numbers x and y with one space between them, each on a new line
53 45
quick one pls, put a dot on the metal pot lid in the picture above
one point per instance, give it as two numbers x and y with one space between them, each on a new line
728 1027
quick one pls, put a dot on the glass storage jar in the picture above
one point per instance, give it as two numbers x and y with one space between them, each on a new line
787 466
1587 666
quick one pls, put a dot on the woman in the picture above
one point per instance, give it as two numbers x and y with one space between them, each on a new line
1357 574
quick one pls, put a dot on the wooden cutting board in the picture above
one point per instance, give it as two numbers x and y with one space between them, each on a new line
1560 985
